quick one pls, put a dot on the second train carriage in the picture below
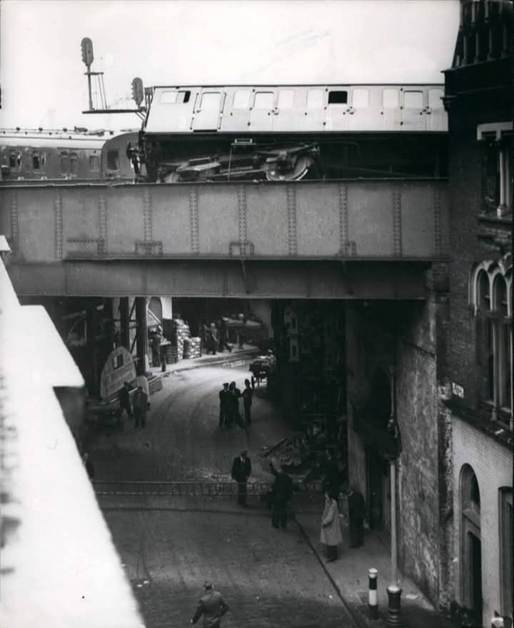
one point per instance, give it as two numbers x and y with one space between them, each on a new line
290 132
61 155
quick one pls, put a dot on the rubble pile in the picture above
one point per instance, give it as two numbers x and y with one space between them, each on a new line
192 347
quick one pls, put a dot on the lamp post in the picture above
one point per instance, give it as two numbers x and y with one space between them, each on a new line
394 591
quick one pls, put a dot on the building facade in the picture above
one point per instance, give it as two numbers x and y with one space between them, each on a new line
477 377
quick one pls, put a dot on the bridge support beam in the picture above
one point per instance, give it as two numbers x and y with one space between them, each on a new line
142 335
124 323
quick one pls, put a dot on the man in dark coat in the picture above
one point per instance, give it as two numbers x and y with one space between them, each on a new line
124 399
211 606
233 406
140 404
281 493
356 513
224 406
241 470
247 402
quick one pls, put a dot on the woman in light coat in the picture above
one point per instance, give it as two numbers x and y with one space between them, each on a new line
330 535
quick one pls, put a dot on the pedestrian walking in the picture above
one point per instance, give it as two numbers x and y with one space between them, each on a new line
233 406
281 493
224 395
140 404
241 470
247 402
356 514
124 400
211 606
331 535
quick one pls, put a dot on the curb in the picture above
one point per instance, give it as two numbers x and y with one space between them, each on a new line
357 620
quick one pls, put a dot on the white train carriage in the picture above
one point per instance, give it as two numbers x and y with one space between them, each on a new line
296 109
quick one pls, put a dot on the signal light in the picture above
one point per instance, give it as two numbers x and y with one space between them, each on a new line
138 92
87 51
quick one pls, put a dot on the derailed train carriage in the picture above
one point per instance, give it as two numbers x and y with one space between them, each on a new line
293 132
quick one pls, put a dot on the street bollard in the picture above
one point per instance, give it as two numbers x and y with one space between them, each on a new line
394 604
372 593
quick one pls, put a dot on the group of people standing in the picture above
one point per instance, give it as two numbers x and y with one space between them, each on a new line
279 496
331 536
229 397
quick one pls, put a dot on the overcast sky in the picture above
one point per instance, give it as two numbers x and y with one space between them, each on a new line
209 41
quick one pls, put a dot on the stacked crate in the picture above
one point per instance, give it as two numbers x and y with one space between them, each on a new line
171 354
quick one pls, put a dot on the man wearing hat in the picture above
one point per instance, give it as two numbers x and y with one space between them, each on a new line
212 606
241 469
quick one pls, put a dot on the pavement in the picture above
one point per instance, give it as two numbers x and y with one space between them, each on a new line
350 576
170 544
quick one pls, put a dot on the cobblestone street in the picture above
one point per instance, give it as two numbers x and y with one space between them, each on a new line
268 577
170 546
182 440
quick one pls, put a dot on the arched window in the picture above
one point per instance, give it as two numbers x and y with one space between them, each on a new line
470 542
491 295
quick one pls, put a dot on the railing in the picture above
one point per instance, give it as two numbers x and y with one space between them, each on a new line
195 488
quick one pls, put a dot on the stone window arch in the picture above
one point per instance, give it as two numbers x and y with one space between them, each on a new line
491 302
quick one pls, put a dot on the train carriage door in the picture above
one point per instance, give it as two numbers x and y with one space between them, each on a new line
413 110
207 114
337 108
363 112
285 113
236 113
390 109
261 111
436 115
315 110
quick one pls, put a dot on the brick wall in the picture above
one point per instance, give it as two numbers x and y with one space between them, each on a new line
418 524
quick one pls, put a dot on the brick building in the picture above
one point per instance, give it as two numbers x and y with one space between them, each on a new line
477 381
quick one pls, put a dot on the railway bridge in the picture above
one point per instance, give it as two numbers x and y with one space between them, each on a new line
350 239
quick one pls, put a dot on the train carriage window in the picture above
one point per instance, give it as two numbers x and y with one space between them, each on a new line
390 98
113 160
264 100
172 97
94 162
36 161
315 99
435 98
337 97
360 98
74 163
285 99
413 100
168 97
12 160
211 100
241 99
65 165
